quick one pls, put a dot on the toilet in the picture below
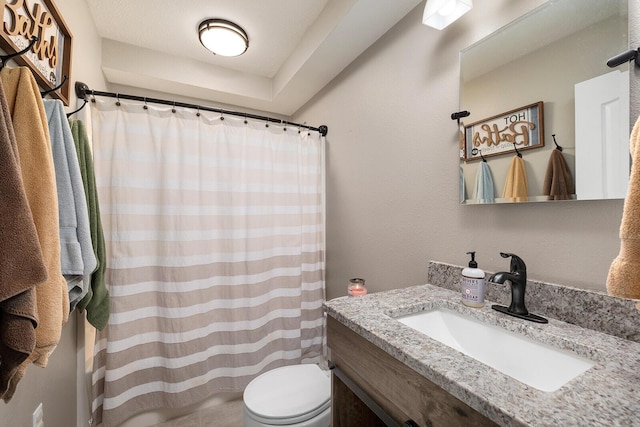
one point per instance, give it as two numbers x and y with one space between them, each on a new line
295 396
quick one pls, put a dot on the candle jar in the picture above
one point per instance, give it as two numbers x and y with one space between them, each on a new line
356 288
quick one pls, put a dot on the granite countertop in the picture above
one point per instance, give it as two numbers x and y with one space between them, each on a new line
608 394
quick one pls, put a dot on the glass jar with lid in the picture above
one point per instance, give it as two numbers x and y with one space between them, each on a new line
356 288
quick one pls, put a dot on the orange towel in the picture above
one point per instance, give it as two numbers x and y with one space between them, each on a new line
36 161
516 189
624 274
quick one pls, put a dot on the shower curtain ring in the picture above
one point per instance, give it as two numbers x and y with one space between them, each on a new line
222 115
245 119
173 109
145 106
118 99
198 112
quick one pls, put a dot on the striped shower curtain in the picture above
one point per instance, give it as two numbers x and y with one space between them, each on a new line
214 230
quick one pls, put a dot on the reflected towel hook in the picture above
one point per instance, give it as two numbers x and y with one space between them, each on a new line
559 148
517 152
459 115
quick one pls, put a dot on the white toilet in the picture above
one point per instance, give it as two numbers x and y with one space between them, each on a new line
294 396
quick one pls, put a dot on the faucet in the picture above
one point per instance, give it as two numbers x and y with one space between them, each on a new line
517 277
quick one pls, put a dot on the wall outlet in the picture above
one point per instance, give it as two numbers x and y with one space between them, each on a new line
38 416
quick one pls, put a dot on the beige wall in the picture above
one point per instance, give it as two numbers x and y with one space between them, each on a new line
392 172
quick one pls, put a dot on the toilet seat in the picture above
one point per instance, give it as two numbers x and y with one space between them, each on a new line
288 395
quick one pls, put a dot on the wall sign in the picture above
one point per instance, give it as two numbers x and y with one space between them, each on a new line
496 135
50 57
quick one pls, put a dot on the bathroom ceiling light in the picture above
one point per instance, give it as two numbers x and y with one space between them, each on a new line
440 13
223 37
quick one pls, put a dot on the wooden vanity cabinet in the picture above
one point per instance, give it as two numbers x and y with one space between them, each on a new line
400 391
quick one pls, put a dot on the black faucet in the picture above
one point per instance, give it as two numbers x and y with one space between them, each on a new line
518 279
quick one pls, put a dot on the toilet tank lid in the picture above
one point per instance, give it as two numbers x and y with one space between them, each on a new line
289 391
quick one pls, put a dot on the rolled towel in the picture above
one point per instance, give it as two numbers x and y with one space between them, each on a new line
624 274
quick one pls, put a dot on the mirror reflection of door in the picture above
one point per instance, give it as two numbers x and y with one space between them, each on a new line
602 138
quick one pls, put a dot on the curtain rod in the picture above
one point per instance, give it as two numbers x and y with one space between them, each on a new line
82 92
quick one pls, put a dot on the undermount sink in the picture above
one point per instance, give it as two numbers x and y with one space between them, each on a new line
533 363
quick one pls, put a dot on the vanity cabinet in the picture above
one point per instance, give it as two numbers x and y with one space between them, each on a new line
397 389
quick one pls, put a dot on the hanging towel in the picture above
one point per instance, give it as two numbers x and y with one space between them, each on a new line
558 182
624 274
516 188
32 136
76 250
483 190
21 264
96 302
463 190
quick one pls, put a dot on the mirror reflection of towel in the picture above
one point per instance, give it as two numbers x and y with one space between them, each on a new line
516 189
624 274
558 182
483 190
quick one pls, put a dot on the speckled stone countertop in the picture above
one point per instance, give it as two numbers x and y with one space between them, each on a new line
608 394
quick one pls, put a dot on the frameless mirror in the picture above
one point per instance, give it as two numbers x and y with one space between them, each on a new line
539 90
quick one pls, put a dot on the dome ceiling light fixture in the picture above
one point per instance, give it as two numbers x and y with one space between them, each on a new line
223 37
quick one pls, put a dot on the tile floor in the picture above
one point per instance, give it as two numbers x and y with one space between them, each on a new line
228 414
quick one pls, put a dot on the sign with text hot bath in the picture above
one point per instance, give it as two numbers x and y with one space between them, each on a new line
497 135
49 58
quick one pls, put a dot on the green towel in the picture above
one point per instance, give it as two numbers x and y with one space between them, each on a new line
96 302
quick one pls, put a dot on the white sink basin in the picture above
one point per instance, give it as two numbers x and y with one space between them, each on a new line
536 364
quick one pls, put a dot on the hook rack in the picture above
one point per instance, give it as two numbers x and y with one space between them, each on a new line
630 55
558 147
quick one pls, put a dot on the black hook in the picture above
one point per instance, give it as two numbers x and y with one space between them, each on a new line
64 80
459 115
483 159
5 58
630 55
81 107
559 148
517 152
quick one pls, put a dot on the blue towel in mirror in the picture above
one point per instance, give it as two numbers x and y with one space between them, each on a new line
483 190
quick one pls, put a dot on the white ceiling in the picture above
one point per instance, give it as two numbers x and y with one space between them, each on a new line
296 47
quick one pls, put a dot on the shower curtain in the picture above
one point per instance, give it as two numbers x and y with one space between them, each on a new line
214 230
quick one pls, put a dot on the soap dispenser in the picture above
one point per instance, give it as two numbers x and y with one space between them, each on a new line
472 284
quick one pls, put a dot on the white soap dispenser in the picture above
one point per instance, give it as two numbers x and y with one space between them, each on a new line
472 284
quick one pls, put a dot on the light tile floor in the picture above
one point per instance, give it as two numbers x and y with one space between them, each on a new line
228 414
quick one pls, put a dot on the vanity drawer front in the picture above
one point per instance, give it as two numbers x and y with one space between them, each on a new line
397 389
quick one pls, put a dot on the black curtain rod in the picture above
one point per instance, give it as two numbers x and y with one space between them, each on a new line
83 91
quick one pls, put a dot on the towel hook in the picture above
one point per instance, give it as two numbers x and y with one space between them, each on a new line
64 80
517 152
481 155
559 148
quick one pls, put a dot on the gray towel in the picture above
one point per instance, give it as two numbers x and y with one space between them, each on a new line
77 257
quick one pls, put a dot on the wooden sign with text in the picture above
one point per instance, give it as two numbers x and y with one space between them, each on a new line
50 57
497 135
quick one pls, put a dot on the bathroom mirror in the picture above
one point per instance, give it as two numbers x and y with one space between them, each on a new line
553 58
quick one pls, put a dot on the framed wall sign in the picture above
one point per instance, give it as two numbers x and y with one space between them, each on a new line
496 135
50 56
